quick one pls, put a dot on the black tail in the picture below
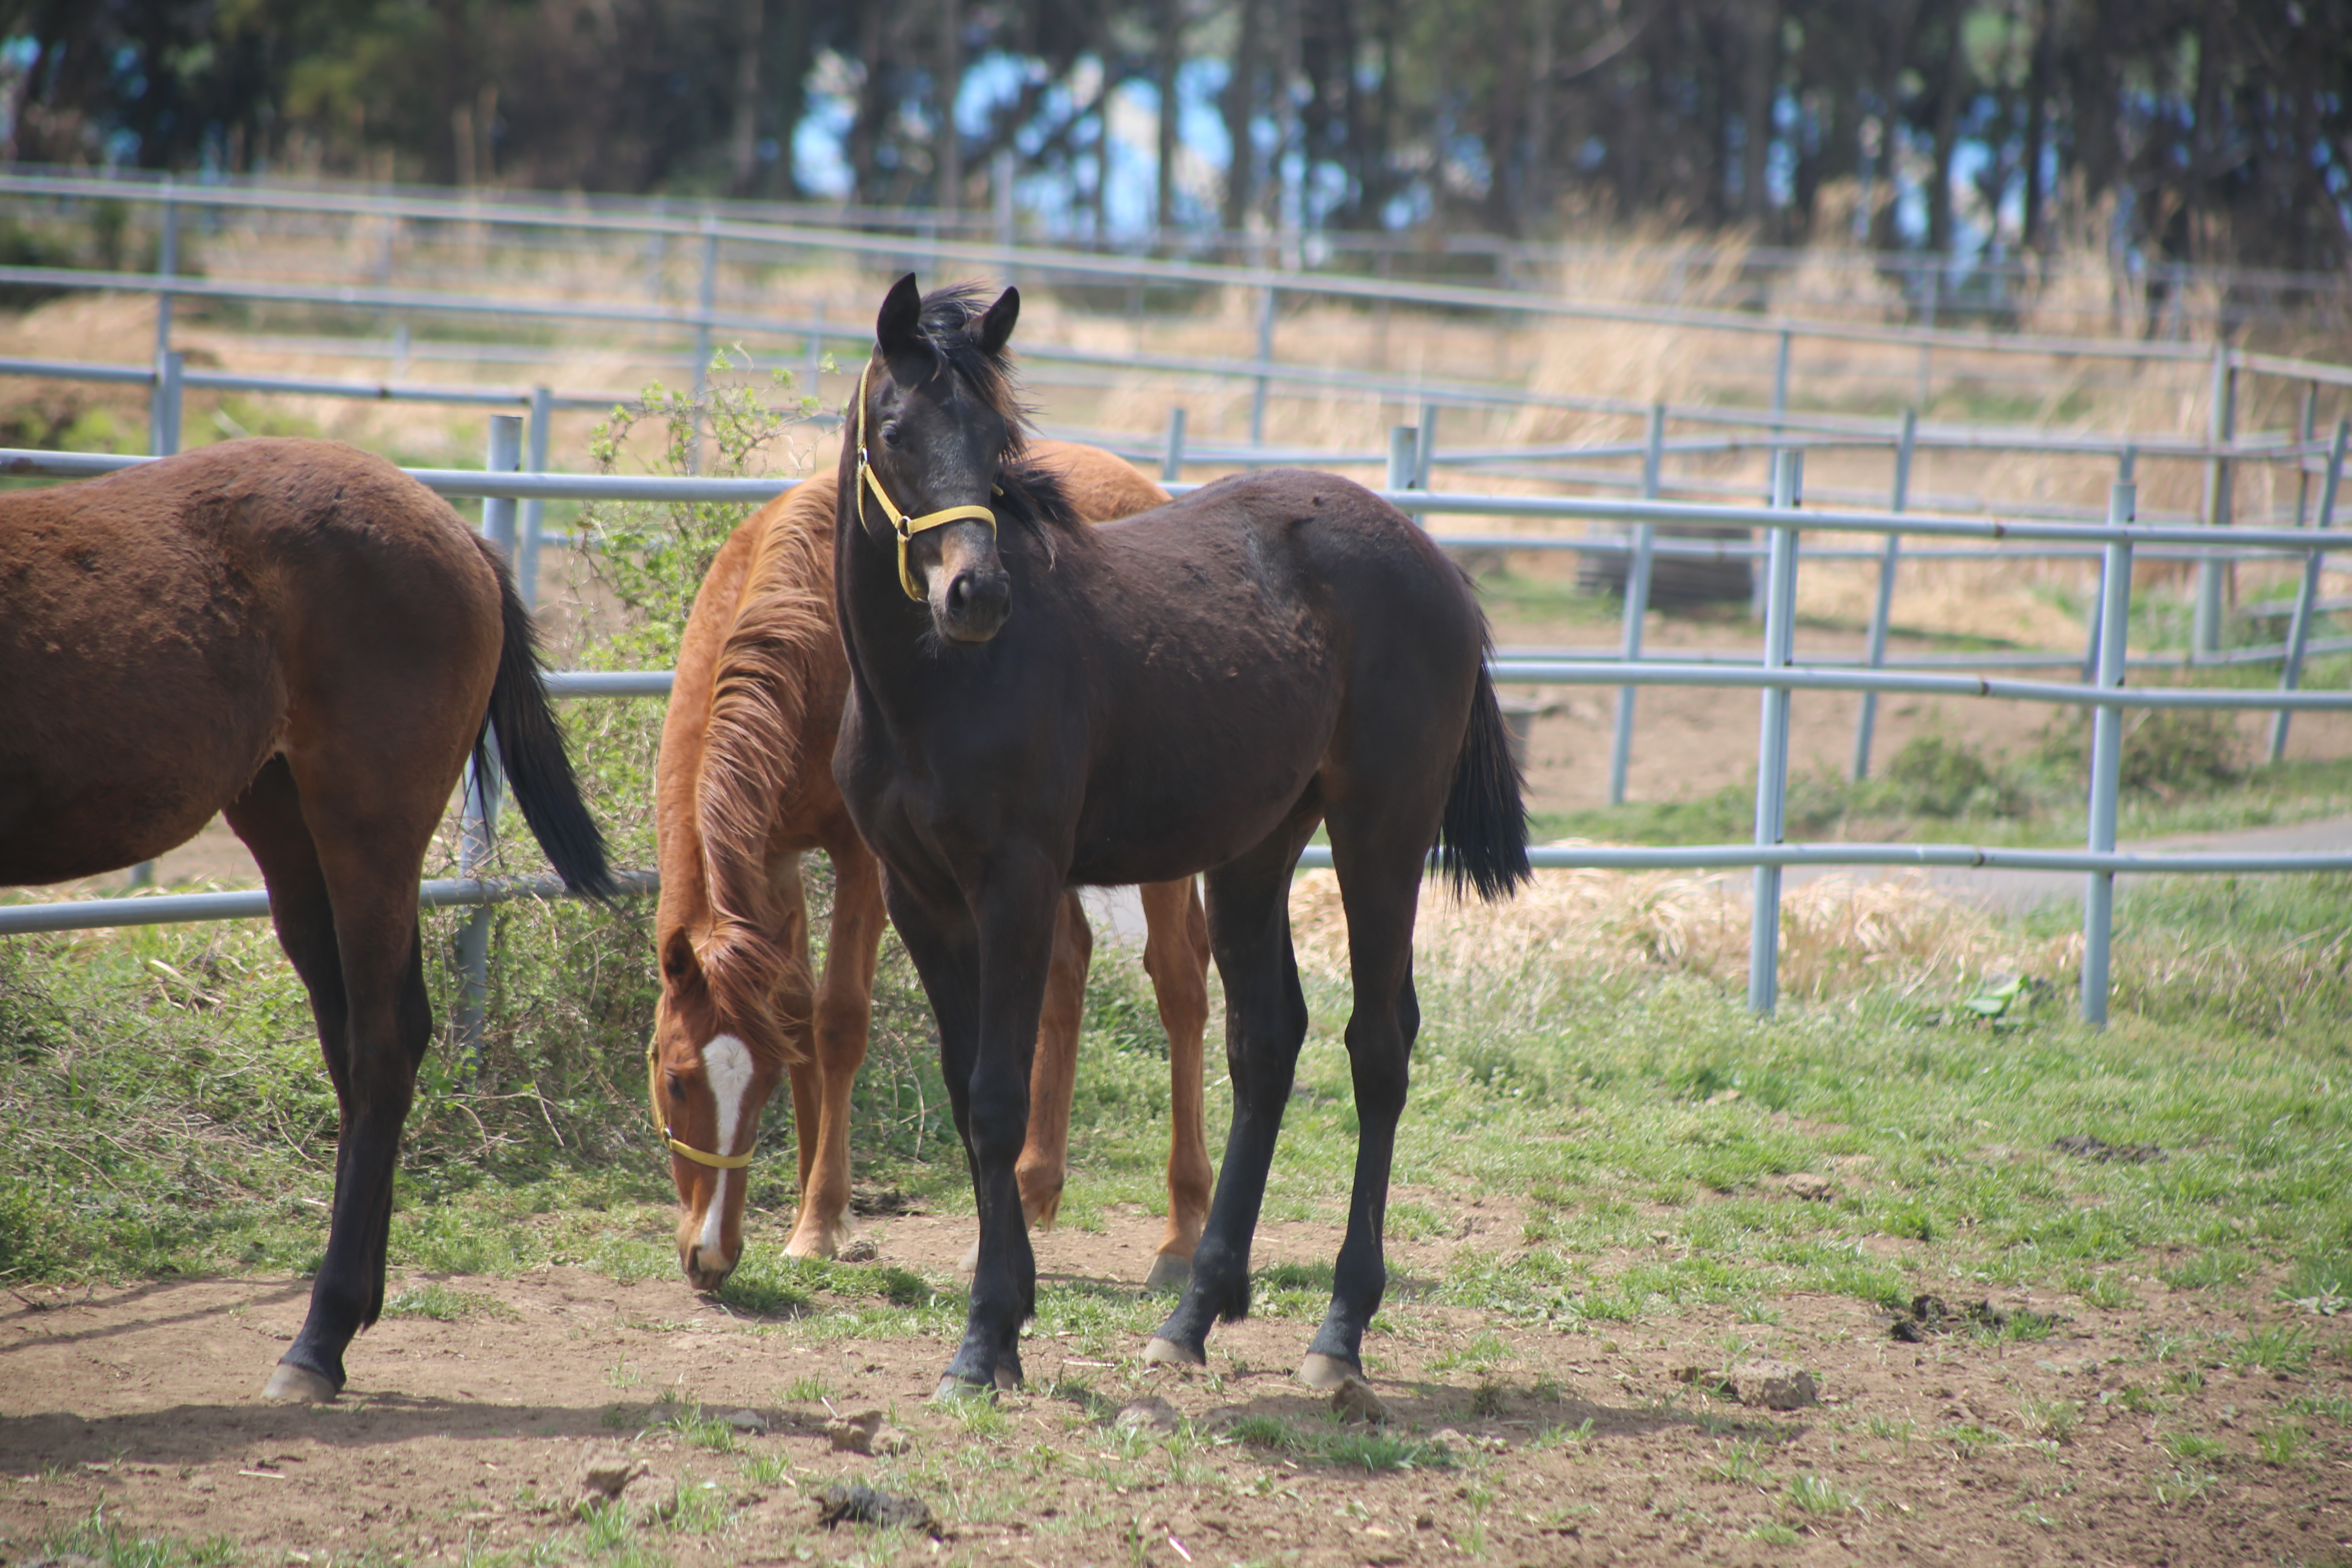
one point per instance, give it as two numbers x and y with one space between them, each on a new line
530 748
1483 839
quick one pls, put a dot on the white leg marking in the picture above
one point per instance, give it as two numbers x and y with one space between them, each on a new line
727 1061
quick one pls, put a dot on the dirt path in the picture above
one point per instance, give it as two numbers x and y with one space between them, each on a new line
467 1438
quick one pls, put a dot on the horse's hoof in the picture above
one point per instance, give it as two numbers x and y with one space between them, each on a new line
1157 1351
1320 1371
1168 1273
1007 1380
291 1384
953 1390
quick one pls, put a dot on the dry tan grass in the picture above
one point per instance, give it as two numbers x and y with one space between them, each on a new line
1838 934
1615 359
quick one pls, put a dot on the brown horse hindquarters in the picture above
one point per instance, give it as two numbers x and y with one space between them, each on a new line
296 633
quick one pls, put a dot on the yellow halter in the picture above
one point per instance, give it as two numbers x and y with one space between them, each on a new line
905 527
699 1156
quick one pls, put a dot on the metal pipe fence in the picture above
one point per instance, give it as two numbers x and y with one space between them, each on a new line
1775 676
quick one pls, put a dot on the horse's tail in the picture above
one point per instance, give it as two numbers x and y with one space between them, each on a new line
531 749
1482 839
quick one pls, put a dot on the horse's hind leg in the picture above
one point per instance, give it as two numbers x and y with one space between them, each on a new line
1266 1024
1045 1160
1176 957
359 883
1380 887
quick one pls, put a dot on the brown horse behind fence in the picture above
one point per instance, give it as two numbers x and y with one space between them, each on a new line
297 635
745 789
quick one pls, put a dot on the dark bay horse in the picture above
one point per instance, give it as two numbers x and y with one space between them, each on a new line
745 789
300 635
1036 705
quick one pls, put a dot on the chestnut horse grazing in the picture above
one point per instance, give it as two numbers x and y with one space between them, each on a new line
297 635
745 789
1036 705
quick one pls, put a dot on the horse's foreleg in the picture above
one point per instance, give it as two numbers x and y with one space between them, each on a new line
988 1032
1266 1024
1045 1158
1176 957
844 1006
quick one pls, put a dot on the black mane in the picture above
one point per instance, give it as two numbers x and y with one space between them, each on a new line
1028 492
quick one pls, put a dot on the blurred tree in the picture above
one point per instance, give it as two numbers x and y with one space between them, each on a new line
2211 130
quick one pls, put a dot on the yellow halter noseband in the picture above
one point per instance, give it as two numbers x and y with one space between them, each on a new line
699 1156
905 527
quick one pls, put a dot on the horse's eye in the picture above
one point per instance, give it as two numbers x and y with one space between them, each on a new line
677 1086
892 435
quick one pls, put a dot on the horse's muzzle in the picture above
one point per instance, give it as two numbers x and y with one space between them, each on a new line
704 1270
973 608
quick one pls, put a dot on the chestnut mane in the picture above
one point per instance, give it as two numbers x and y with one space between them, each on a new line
780 647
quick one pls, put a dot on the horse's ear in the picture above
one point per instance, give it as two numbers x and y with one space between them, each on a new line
899 327
681 965
994 327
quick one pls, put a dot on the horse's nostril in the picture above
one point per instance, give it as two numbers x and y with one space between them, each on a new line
959 591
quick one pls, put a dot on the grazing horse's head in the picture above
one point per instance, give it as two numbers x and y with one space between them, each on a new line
935 422
711 1066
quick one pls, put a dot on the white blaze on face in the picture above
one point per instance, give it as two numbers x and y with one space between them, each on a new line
726 1062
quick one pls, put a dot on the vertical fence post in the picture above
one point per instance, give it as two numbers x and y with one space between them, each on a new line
2307 596
1403 440
1424 451
815 372
1171 461
1883 608
2306 428
1637 604
1264 354
2222 427
1780 381
1772 742
534 511
2126 464
1926 349
167 266
705 299
2106 754
163 441
478 826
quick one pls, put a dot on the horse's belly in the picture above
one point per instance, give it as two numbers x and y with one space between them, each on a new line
112 754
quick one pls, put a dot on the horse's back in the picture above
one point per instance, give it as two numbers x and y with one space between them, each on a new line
172 627
1301 625
1101 485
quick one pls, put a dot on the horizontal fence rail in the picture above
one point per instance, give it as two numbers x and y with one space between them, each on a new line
899 249
514 499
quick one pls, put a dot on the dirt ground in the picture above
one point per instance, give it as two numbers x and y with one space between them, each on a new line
460 1439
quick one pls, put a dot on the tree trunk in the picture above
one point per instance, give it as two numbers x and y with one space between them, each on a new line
743 139
949 160
1759 75
865 125
2037 125
1241 110
1948 94
1163 196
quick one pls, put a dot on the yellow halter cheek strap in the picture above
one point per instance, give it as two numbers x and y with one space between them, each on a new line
905 527
699 1156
